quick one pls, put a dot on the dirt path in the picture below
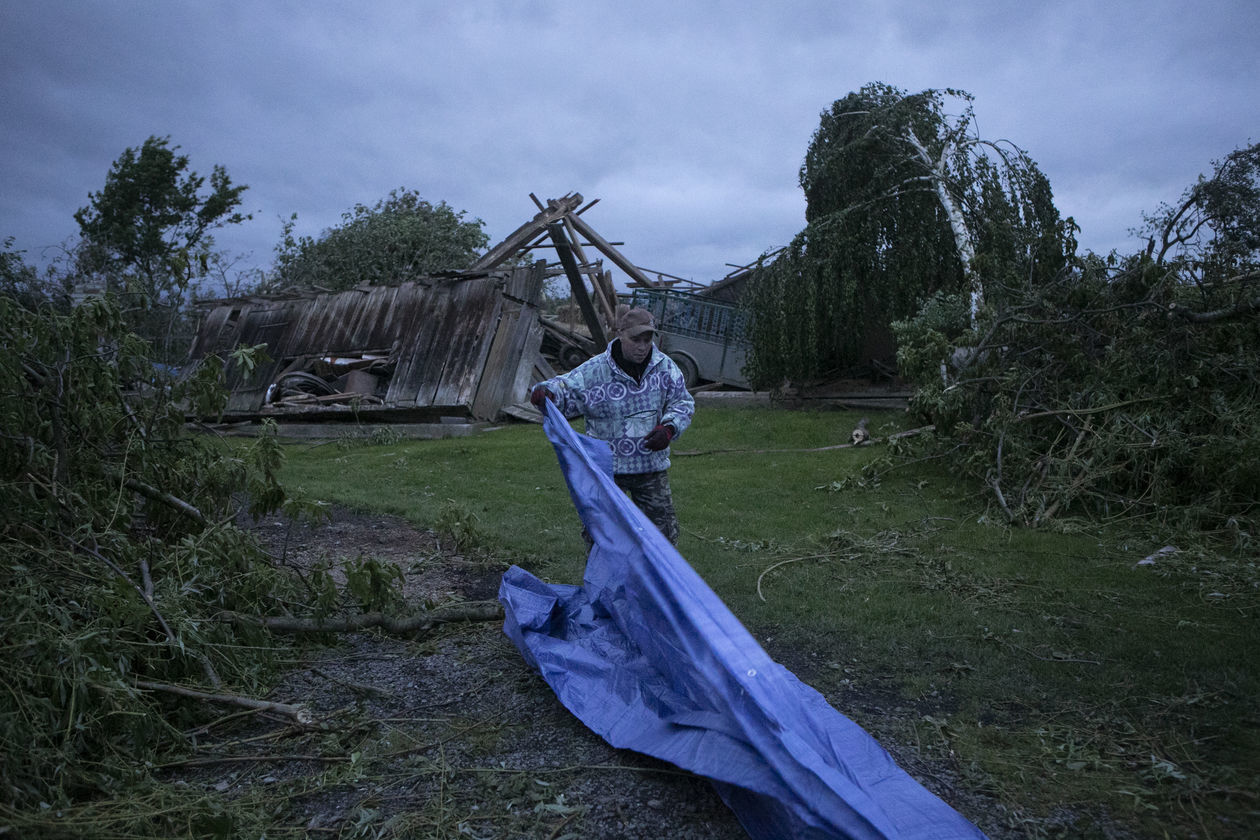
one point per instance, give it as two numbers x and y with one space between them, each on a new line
449 735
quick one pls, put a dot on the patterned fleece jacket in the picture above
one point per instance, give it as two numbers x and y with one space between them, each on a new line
621 411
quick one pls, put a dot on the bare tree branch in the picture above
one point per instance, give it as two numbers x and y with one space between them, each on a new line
1243 307
300 714
151 492
399 625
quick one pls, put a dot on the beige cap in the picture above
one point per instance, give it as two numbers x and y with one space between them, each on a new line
636 322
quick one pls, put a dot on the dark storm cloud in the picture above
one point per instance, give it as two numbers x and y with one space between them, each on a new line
688 121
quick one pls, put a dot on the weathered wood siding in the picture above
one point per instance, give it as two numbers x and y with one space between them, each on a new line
458 344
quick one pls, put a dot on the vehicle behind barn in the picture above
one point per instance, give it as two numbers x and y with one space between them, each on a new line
705 337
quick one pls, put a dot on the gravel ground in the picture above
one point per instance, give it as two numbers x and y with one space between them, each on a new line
452 735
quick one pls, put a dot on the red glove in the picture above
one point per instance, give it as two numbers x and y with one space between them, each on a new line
659 438
539 394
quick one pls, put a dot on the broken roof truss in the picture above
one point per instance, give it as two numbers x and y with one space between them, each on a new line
463 344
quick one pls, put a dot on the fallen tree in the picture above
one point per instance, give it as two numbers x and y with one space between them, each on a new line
903 199
117 548
1118 387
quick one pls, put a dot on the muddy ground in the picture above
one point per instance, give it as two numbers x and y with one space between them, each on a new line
450 734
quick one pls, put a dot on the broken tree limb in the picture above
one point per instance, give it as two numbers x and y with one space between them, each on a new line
470 611
151 492
895 436
175 642
1243 307
963 241
1081 412
300 714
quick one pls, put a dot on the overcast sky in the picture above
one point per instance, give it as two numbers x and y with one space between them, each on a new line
688 120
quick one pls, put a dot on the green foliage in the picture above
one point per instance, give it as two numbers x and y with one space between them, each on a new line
373 584
20 281
1114 388
248 358
903 201
147 234
461 524
400 238
1213 233
117 552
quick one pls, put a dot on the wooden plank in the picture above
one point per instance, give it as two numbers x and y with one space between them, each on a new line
369 320
539 244
518 390
518 335
542 368
504 351
605 278
525 283
477 311
606 302
215 328
419 325
526 342
576 283
609 251
450 327
259 324
556 209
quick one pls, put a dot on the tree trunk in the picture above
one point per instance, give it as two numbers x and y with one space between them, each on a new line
957 222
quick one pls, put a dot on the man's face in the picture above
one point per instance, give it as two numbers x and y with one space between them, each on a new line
637 349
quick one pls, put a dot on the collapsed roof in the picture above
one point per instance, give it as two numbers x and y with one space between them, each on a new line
415 352
463 344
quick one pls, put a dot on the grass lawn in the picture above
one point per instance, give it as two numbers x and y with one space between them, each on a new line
1049 669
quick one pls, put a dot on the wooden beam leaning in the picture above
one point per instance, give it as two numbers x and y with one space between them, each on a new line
638 277
556 209
610 292
607 306
576 283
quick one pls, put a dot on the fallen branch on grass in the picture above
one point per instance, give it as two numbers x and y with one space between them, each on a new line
867 442
399 625
299 714
210 761
771 568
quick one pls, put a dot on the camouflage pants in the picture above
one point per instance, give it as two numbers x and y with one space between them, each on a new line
650 492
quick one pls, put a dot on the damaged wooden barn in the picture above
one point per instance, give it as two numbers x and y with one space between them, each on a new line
460 346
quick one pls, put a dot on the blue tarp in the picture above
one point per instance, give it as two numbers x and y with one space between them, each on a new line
646 655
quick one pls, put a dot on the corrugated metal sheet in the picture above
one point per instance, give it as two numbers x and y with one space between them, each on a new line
461 345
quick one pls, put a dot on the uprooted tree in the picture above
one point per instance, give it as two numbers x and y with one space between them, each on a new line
1116 387
903 200
117 547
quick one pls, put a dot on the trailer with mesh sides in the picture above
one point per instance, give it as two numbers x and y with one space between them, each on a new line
705 338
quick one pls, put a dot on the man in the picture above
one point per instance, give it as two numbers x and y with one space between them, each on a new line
633 396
